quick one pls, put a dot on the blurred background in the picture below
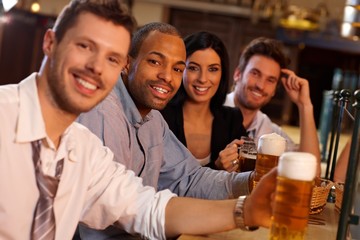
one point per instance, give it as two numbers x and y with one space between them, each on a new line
320 37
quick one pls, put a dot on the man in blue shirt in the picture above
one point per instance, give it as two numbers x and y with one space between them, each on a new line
128 122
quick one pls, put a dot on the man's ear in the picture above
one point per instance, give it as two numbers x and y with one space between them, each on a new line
125 69
49 42
237 74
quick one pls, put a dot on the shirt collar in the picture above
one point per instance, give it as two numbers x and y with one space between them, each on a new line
30 126
130 109
254 125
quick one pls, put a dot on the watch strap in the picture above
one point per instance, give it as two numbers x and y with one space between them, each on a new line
239 215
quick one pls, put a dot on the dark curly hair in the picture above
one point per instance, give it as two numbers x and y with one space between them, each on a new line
265 47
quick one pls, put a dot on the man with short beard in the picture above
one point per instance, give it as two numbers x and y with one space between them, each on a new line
262 66
54 172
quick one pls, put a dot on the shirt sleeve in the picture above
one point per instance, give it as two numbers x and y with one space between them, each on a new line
116 196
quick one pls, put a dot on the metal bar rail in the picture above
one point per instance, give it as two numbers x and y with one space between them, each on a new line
346 216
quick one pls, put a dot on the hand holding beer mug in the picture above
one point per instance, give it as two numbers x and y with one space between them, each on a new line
247 155
295 182
270 147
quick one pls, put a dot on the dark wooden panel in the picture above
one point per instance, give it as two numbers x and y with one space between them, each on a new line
21 45
235 32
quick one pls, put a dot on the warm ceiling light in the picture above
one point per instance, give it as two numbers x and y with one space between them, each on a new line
35 7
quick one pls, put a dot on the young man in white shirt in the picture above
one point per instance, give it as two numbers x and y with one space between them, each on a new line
84 55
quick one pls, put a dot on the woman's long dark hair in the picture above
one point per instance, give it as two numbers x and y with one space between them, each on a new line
201 41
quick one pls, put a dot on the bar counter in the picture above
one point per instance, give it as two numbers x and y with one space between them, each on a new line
321 226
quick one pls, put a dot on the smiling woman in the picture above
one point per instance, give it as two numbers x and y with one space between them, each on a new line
196 116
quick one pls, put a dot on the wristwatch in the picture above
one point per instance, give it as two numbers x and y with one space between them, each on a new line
239 215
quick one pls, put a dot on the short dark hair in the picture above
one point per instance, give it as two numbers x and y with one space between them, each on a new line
141 34
112 10
203 40
265 47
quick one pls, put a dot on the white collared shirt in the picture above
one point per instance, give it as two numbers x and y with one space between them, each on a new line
93 188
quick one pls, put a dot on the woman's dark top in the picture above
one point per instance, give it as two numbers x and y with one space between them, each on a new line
227 126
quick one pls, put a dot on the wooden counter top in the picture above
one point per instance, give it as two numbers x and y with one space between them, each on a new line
321 226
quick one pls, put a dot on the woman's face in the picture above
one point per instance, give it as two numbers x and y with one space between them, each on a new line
202 75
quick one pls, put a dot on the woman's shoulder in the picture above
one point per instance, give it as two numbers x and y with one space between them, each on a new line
229 113
170 111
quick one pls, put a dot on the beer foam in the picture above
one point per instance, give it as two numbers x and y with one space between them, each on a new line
271 144
249 156
298 166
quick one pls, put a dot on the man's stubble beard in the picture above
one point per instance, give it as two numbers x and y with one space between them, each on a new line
58 94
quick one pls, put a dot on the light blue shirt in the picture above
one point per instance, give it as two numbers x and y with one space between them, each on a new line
262 124
149 148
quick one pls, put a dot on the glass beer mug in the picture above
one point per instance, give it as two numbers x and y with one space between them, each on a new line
270 147
295 182
247 155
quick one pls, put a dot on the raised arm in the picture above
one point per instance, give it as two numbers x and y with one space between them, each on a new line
298 90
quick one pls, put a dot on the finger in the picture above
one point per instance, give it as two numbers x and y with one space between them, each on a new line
294 83
229 153
234 165
235 142
287 71
286 83
269 180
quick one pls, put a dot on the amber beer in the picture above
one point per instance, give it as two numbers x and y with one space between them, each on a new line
270 147
247 155
247 161
295 182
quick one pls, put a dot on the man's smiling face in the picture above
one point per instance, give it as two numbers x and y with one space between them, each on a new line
257 84
155 74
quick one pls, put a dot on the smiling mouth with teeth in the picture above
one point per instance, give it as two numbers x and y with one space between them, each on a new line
201 89
257 94
161 90
86 84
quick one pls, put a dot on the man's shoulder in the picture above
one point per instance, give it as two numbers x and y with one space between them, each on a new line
261 124
8 93
263 117
80 131
229 101
265 123
157 118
